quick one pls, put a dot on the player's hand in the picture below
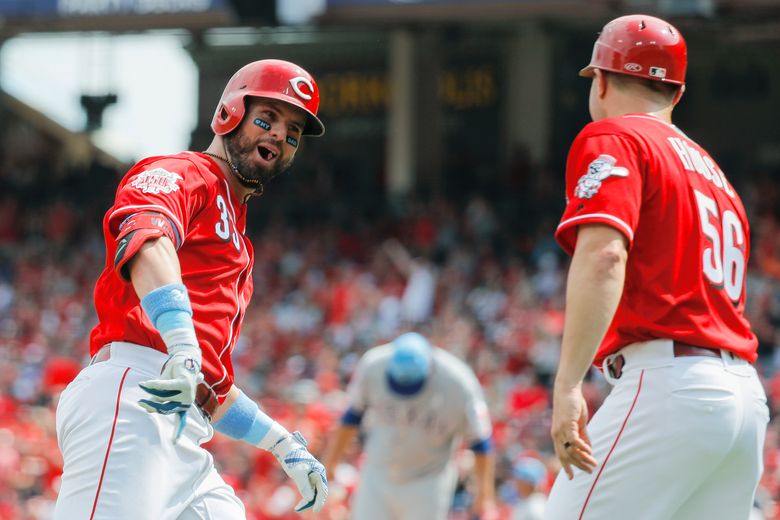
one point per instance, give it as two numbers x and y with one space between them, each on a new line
175 390
569 434
306 471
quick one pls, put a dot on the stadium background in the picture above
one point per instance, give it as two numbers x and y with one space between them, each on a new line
448 124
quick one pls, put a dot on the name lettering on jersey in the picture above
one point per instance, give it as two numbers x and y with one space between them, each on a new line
601 168
695 161
155 181
426 417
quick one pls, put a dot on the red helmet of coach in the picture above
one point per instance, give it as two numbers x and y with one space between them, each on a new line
643 46
275 79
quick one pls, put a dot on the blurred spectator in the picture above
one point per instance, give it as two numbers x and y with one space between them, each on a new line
418 297
528 474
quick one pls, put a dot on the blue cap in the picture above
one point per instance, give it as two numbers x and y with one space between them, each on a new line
410 363
529 469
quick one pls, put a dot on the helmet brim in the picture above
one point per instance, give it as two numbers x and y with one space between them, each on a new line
314 126
587 72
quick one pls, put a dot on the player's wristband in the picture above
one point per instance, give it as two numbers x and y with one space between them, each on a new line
482 446
352 417
245 421
169 310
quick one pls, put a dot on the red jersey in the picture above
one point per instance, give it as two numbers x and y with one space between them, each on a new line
215 255
686 228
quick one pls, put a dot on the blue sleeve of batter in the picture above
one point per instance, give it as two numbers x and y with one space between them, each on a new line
244 421
482 446
352 417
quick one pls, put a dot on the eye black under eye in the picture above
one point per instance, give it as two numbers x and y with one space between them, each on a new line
265 125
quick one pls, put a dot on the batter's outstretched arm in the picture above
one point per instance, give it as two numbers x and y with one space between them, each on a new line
595 284
240 418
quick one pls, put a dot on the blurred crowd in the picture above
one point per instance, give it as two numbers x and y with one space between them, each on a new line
456 269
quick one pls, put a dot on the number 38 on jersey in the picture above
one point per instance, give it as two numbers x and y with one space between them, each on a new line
723 259
224 228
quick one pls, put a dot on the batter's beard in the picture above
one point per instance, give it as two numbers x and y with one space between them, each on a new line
241 151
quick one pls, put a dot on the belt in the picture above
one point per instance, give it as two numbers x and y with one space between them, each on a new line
205 398
679 349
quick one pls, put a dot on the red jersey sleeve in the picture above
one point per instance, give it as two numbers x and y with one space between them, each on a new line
164 185
603 184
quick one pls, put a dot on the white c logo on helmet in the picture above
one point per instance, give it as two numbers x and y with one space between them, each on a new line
294 82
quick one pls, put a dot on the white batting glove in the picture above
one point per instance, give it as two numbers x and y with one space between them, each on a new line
175 390
306 471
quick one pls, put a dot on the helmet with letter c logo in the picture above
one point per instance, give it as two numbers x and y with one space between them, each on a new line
275 79
643 46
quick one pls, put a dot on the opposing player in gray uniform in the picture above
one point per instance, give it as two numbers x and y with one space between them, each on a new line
416 403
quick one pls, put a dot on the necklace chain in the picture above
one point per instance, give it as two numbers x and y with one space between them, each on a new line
224 159
257 184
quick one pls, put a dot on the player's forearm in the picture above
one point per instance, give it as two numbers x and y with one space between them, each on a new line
242 419
484 470
156 277
595 284
156 264
230 398
339 441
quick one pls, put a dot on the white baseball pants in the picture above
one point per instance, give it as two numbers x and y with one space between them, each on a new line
120 462
678 438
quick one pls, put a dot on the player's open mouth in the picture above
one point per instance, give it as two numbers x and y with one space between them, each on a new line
266 153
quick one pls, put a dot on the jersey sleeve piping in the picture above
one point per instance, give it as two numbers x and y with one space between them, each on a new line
606 218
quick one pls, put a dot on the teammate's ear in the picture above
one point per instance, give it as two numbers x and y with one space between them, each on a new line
601 82
678 95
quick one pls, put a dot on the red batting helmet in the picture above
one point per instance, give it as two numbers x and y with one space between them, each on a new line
643 46
275 79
